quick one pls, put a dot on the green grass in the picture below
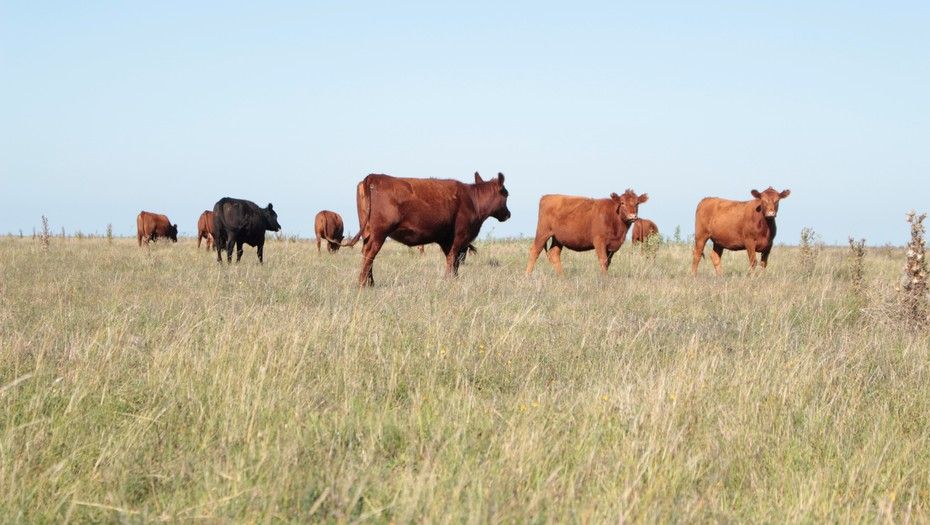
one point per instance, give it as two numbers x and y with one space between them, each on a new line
146 385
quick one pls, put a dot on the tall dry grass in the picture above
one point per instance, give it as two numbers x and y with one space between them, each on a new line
148 385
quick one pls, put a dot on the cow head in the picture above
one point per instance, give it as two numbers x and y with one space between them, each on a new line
493 196
628 205
173 232
768 201
271 219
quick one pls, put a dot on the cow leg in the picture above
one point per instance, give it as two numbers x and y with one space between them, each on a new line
230 244
715 257
199 237
751 253
602 256
218 245
370 250
210 241
319 242
238 251
453 252
555 256
539 243
699 242
765 258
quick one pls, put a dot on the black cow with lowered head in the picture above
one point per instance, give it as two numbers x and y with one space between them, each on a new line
237 221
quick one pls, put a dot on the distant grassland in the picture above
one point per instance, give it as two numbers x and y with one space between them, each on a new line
154 384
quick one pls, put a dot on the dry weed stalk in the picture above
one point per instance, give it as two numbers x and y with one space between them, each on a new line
914 283
808 237
650 246
110 233
46 233
857 257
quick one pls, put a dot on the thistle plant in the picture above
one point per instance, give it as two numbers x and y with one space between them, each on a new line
914 283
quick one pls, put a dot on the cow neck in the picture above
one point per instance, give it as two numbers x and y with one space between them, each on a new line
758 219
476 191
626 226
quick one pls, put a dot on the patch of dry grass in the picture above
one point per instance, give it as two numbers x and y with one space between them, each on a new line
158 385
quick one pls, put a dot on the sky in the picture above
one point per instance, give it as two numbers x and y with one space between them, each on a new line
109 108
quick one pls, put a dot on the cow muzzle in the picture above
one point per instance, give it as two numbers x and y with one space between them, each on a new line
632 218
771 214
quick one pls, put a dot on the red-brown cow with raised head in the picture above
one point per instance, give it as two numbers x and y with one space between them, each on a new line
736 225
643 229
421 211
205 229
329 227
582 224
150 226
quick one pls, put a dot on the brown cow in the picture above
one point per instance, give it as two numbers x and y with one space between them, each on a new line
421 211
150 226
643 229
582 224
736 225
329 227
205 228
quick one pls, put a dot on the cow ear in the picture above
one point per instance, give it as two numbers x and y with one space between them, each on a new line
643 198
500 178
270 207
478 179
175 226
756 194
615 197
784 194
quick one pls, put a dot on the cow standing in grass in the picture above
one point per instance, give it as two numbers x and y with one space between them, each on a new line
422 211
736 225
329 227
581 224
205 229
642 230
150 226
237 222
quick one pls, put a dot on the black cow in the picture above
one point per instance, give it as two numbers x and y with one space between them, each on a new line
237 221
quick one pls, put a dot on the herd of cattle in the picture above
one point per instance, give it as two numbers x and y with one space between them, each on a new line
450 213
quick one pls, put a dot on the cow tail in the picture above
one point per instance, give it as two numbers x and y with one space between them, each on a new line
472 249
363 203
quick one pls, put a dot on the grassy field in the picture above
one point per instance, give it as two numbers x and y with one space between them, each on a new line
153 384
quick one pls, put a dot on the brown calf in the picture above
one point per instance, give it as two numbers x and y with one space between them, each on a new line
643 229
150 226
736 225
205 228
329 227
582 224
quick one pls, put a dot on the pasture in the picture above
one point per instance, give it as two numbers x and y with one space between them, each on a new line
143 385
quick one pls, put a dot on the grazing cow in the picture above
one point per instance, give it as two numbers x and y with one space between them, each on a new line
238 221
582 224
736 225
421 211
329 228
205 229
150 226
643 229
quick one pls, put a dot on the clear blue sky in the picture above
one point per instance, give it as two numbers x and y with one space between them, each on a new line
107 108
